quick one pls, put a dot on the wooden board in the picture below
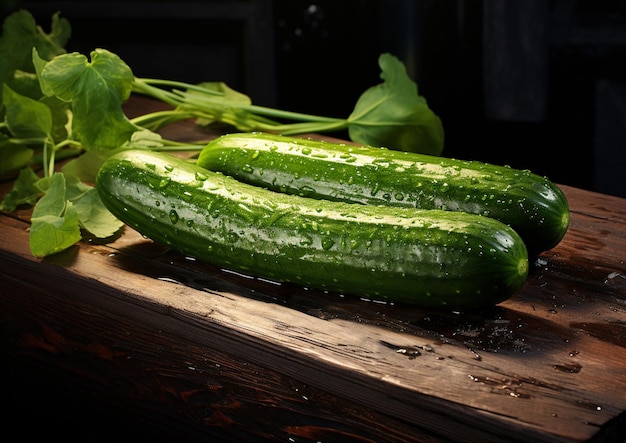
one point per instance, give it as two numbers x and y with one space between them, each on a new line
196 350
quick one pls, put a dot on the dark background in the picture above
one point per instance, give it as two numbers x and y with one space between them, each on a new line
536 84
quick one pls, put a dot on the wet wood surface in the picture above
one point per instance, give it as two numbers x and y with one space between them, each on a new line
193 351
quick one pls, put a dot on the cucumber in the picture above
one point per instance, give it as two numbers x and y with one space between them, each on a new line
428 258
535 207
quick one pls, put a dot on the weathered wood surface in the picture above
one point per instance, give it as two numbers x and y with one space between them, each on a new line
195 350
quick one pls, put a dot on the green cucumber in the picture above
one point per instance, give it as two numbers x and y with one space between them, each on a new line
535 207
428 258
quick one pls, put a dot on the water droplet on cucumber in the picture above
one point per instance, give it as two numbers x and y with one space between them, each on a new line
232 236
173 216
306 190
327 243
306 240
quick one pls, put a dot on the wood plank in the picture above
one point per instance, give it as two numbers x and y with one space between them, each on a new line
548 364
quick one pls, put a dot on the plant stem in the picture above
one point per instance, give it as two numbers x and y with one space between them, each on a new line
61 154
49 157
177 84
214 106
159 119
262 110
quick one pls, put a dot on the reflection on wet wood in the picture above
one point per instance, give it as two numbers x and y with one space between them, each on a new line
190 349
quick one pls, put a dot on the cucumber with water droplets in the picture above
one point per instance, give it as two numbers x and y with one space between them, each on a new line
428 258
534 206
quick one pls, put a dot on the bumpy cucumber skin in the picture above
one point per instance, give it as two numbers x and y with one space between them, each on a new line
435 259
534 206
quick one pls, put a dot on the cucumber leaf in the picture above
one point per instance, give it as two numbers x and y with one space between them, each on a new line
20 34
85 167
394 115
96 90
61 111
95 217
67 206
23 192
74 188
26 118
54 222
229 101
13 157
25 83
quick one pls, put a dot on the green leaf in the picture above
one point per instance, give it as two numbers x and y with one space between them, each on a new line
54 222
74 188
225 93
392 114
50 234
225 106
24 191
61 117
38 64
61 111
53 201
25 117
95 217
96 91
85 167
144 139
13 157
20 33
26 84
